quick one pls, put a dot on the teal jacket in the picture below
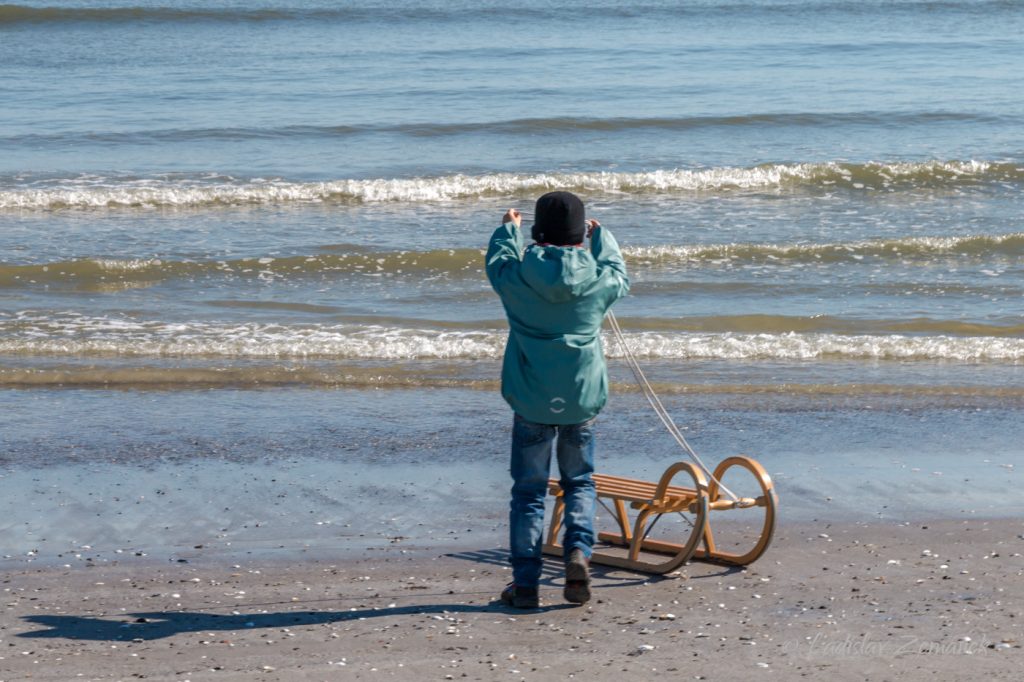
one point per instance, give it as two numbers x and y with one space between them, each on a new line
555 298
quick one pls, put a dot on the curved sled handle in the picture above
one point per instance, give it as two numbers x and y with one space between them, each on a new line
666 480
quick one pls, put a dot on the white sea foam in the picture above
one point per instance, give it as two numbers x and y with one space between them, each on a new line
93 192
795 346
74 335
896 247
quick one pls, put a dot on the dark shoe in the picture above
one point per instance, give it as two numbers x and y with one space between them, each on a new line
520 597
577 578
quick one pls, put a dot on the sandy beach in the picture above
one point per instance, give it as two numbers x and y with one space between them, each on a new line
913 601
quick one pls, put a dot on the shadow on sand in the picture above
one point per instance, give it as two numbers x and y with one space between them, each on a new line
155 625
160 624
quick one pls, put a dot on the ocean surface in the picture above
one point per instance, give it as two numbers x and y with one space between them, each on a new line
249 233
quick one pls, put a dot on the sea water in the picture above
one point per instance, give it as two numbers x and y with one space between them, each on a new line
228 230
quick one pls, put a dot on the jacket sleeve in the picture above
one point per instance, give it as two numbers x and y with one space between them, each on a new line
504 254
609 260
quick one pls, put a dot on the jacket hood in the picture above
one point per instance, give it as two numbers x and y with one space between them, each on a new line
558 273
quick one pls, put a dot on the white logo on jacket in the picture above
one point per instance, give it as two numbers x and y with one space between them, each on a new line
557 410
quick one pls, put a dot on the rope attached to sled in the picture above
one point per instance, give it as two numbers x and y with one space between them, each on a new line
659 409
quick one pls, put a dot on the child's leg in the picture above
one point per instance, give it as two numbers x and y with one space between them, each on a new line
576 465
530 466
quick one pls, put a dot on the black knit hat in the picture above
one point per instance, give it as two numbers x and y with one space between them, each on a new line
559 219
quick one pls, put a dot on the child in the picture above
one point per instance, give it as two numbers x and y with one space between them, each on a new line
555 293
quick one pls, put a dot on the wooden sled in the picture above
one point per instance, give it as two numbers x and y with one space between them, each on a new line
631 545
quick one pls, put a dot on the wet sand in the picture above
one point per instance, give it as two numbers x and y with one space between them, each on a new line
251 475
297 535
912 601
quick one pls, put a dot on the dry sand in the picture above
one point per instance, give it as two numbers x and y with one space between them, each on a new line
918 601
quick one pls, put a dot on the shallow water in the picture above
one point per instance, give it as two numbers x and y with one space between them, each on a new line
241 472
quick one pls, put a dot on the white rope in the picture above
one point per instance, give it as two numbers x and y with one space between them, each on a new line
659 409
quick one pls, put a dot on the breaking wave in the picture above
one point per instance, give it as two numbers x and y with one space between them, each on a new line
899 248
86 192
337 260
76 335
114 273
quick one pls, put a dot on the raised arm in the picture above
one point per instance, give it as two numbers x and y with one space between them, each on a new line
505 251
609 259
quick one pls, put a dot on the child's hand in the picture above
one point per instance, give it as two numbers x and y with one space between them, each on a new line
591 224
513 216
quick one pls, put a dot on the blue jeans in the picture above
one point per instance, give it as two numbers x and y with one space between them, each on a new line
531 464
